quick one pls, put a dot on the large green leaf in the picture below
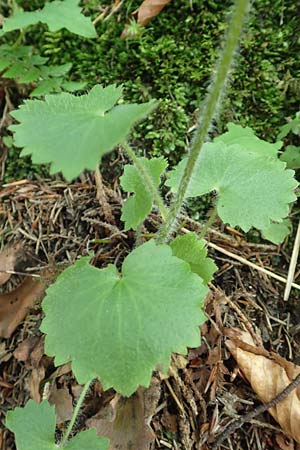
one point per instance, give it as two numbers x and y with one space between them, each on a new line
34 429
57 14
192 250
74 132
119 328
252 190
137 207
245 137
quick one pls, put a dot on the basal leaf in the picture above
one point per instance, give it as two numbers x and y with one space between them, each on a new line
74 132
252 190
34 429
137 207
291 156
277 232
245 137
56 14
192 250
119 328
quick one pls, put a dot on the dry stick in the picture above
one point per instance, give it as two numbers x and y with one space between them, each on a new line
107 211
259 410
251 264
293 264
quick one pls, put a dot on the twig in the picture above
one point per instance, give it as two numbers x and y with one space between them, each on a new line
107 211
292 266
259 410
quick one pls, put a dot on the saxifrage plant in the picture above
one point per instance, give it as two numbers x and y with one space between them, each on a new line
119 327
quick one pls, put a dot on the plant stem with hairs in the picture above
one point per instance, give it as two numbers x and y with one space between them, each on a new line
216 90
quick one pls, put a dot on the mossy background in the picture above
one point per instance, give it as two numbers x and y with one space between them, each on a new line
172 59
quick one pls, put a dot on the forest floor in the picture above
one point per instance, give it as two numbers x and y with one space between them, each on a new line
53 222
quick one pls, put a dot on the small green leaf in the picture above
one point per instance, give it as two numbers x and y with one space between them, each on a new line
252 191
57 15
245 137
291 156
34 429
118 329
192 250
277 232
8 141
29 75
137 207
74 132
4 63
45 87
56 71
73 86
293 125
16 69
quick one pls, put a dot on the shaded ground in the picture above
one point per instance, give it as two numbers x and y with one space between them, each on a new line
55 222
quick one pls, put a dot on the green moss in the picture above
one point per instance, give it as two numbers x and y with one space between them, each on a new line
172 59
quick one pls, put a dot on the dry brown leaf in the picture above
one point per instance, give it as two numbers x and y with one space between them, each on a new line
268 373
63 402
25 348
14 305
33 384
8 259
125 424
149 9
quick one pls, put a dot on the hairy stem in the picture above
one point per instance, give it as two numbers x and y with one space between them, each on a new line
204 122
66 436
209 222
149 183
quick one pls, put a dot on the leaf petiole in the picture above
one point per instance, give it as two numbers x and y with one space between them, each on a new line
75 414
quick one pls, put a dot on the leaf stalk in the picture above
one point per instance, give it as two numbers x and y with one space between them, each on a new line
77 408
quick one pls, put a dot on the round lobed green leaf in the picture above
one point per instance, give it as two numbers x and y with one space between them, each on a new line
74 132
252 190
118 328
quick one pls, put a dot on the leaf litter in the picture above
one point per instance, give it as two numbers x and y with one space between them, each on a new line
204 391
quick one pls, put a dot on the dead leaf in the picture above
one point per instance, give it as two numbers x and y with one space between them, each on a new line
268 373
63 402
33 384
8 258
14 305
149 9
284 442
125 424
25 348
